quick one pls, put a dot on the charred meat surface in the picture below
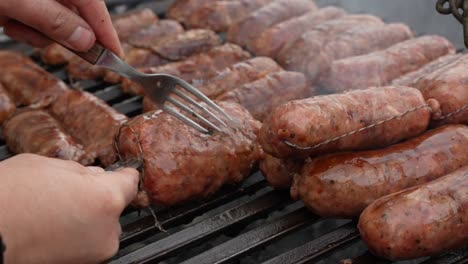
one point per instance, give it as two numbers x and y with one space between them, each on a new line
55 54
197 68
425 220
359 178
262 96
35 131
178 157
272 40
7 105
246 31
89 120
279 173
218 16
296 129
381 67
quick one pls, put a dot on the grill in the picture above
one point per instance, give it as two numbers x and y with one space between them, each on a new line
248 223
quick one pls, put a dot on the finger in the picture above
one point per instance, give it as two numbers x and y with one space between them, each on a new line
95 169
55 21
124 182
96 14
23 33
3 20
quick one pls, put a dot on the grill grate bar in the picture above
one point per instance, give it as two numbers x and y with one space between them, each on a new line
318 247
460 257
206 229
253 239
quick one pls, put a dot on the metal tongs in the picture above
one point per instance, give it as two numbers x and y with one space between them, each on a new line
160 88
459 9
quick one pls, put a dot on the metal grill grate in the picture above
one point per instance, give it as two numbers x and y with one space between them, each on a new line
249 223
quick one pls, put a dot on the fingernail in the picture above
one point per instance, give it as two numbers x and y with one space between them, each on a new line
82 39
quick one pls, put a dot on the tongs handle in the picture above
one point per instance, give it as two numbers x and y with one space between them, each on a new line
92 56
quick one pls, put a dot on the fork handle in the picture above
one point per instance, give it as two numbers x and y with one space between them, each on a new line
92 56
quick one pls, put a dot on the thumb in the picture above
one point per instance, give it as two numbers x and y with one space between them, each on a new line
124 184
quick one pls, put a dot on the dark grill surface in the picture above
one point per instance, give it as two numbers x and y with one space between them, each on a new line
249 223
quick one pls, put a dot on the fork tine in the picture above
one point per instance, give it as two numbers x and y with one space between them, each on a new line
202 97
190 111
184 119
195 103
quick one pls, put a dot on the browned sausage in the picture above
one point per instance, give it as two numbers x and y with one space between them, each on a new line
421 221
262 96
448 86
313 54
245 31
55 54
272 40
178 157
91 121
303 124
126 24
7 106
148 36
342 185
412 77
231 78
35 131
79 69
197 68
180 10
279 173
381 67
218 16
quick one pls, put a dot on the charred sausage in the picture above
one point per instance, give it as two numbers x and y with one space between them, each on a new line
297 128
7 106
342 185
279 173
381 67
178 157
126 24
421 221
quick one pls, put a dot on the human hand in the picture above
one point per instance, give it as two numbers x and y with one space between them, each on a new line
55 211
73 23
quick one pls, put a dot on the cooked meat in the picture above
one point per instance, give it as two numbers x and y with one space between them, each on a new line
91 121
412 77
304 124
149 36
180 10
218 16
262 96
279 173
197 68
55 54
246 31
448 85
312 54
10 58
178 157
126 24
79 69
186 44
272 40
35 131
359 178
425 220
7 106
29 84
381 67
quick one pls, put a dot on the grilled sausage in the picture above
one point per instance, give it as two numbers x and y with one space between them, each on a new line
29 84
381 67
218 16
55 54
424 220
279 173
126 24
149 36
180 10
35 131
178 157
313 54
79 69
197 68
7 106
245 31
9 58
412 77
309 122
359 178
448 86
272 40
91 121
262 96
231 78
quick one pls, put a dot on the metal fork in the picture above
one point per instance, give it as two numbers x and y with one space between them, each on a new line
159 88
